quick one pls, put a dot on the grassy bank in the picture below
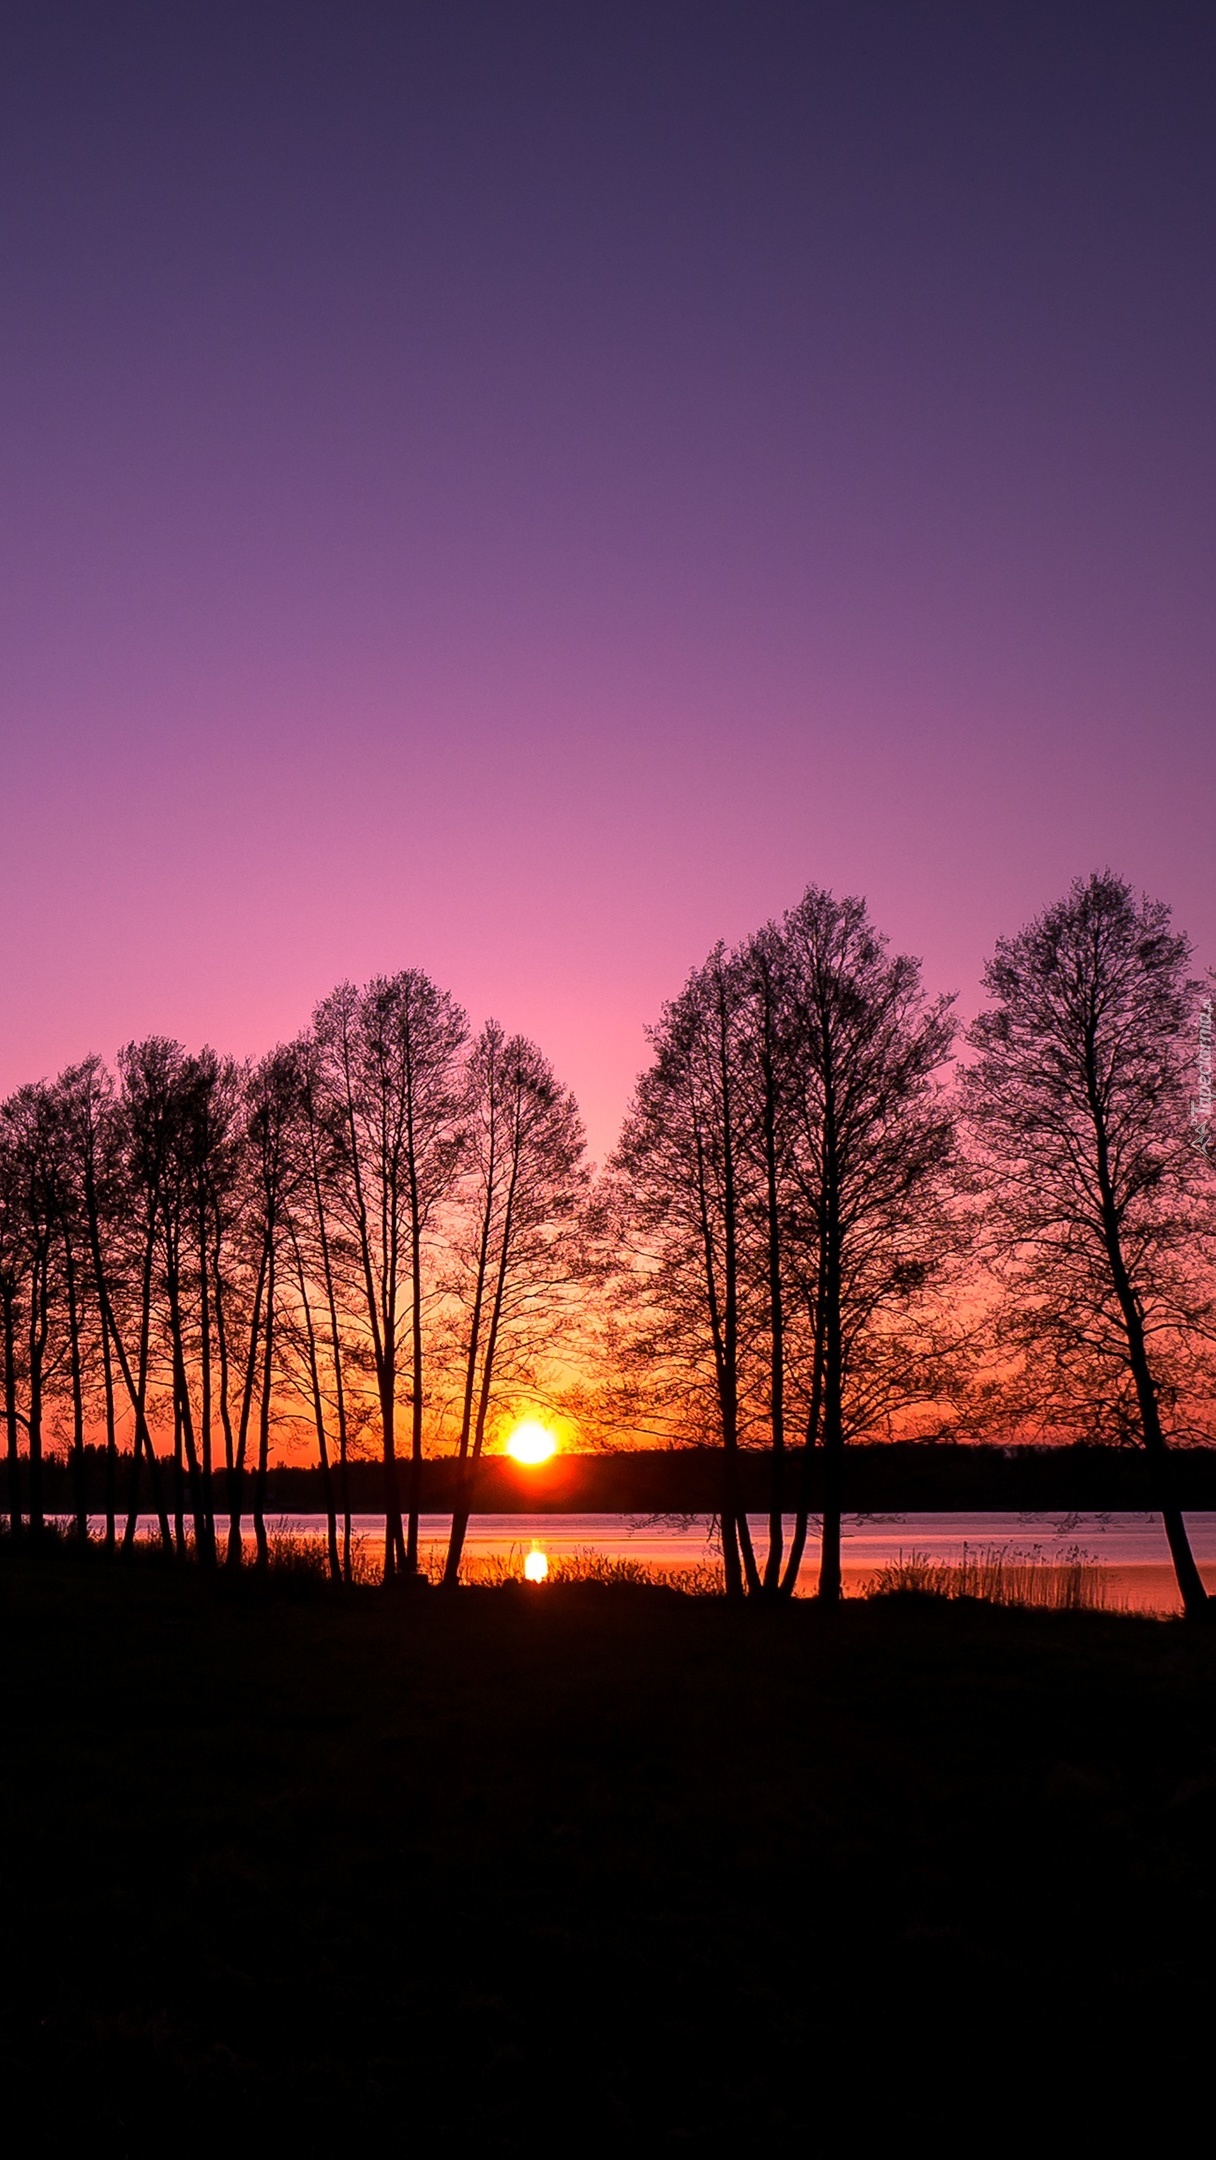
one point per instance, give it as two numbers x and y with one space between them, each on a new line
590 1867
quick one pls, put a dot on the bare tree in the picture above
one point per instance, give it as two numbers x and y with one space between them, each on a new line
187 1326
784 1187
677 1209
304 1337
305 1341
233 1261
517 1251
321 1153
766 1138
1100 1207
871 1167
15 1271
88 1090
276 1174
77 1299
208 1165
390 1062
30 1145
147 1114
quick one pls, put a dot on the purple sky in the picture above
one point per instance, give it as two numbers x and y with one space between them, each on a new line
520 490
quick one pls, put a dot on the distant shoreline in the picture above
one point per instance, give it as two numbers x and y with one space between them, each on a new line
891 1477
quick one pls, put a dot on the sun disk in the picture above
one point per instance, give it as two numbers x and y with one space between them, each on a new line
531 1443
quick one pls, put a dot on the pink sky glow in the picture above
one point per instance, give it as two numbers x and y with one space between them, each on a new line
528 520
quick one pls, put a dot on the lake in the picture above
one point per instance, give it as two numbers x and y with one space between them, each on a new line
1130 1549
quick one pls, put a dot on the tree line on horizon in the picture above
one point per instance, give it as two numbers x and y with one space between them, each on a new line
816 1225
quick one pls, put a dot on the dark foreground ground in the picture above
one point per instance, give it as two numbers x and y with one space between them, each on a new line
593 1870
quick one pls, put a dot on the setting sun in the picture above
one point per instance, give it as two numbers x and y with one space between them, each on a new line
531 1443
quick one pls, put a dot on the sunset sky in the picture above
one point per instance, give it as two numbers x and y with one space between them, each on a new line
521 489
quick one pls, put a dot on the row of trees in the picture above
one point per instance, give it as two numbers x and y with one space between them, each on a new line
808 1232
822 1235
378 1218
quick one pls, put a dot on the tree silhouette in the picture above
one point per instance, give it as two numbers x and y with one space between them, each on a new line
516 1247
675 1214
390 1062
872 1166
1100 1207
783 1189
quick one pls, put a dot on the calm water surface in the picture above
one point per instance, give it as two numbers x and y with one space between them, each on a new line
1130 1549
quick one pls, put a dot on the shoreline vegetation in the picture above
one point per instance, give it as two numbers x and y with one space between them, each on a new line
818 1239
594 1864
1011 1573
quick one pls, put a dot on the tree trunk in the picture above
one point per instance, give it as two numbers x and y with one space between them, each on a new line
831 1582
138 1391
776 1522
416 1405
36 1348
728 1522
236 1472
1195 1600
184 1428
793 1565
206 1548
179 1495
318 1411
730 1228
460 1517
336 1353
135 1391
259 1496
395 1552
74 1361
107 1364
463 1507
10 1417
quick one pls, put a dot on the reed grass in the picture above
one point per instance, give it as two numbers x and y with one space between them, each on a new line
306 1552
696 1578
1072 1581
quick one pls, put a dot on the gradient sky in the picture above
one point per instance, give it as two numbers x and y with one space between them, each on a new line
520 490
